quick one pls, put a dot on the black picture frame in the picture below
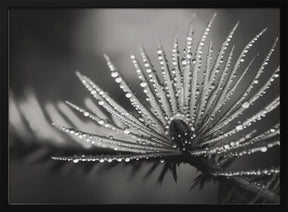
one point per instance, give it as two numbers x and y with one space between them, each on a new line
6 5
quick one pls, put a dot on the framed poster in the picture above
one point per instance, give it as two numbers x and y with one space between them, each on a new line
125 104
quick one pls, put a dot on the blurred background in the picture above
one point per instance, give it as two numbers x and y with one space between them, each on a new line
48 45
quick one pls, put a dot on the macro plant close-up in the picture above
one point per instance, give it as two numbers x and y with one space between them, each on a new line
189 117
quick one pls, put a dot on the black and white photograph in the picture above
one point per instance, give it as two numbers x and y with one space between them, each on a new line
144 106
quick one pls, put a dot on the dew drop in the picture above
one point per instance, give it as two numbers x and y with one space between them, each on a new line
189 38
264 149
239 127
114 74
100 122
143 84
101 102
128 95
245 104
86 114
75 161
127 159
184 62
118 80
189 55
226 146
126 131
248 136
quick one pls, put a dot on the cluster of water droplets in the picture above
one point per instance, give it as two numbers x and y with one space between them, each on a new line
195 89
257 172
113 158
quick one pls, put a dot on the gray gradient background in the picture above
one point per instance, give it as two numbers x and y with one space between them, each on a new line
47 46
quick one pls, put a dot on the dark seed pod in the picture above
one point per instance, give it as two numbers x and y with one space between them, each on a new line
181 135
